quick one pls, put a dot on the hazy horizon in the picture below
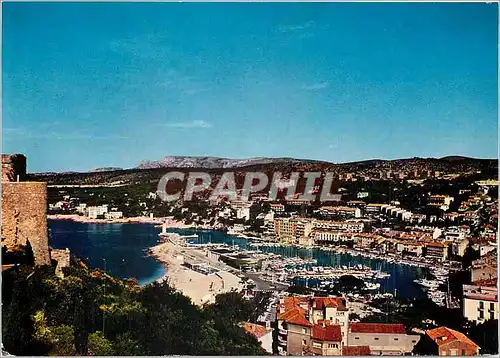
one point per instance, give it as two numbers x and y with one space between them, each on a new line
92 85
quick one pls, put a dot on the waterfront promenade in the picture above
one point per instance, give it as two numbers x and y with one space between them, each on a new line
200 287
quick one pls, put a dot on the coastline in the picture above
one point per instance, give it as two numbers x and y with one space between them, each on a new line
171 224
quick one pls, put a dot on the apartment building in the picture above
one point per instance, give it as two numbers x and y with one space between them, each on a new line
312 325
484 268
330 311
292 228
436 250
441 201
304 227
328 236
410 247
347 226
285 228
480 303
325 341
382 338
320 326
365 240
346 211
113 215
373 208
94 212
277 208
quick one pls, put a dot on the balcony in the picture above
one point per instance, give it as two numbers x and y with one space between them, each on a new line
283 331
281 341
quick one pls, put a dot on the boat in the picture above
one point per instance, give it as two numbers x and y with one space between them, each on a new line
372 286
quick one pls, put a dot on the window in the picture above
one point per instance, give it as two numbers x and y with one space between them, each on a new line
396 339
304 331
334 345
481 305
316 345
356 337
492 315
453 352
331 318
376 338
413 341
481 314
304 342
492 306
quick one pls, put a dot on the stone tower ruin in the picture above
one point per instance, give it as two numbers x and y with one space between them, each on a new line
24 209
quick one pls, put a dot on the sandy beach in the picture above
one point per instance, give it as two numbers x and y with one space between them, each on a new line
171 224
199 287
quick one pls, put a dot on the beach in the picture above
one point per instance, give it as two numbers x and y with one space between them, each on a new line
201 288
170 224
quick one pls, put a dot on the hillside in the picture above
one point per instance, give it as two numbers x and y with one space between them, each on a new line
151 172
214 162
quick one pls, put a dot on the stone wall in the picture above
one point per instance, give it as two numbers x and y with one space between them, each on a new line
13 165
24 217
63 259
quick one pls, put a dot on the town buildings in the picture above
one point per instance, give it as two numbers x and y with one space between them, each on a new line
95 212
292 229
113 215
480 302
484 268
320 326
440 201
445 341
382 338
263 334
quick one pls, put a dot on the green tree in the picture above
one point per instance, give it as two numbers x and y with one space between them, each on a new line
100 346
126 345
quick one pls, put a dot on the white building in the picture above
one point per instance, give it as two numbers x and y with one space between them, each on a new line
363 194
81 208
263 334
480 303
243 213
113 215
94 211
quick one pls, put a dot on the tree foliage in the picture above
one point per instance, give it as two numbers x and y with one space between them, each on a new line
93 313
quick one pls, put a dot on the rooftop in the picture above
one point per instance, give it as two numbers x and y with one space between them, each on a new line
256 329
328 333
356 351
377 328
443 335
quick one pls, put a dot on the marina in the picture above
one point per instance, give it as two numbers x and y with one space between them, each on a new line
391 276
97 242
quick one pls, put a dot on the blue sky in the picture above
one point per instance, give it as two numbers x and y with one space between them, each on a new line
89 85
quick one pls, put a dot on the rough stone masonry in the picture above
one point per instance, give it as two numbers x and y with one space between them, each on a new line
24 209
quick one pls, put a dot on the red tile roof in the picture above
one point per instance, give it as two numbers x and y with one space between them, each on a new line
256 329
299 320
285 316
485 282
320 302
435 244
356 351
328 333
377 328
444 335
293 302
